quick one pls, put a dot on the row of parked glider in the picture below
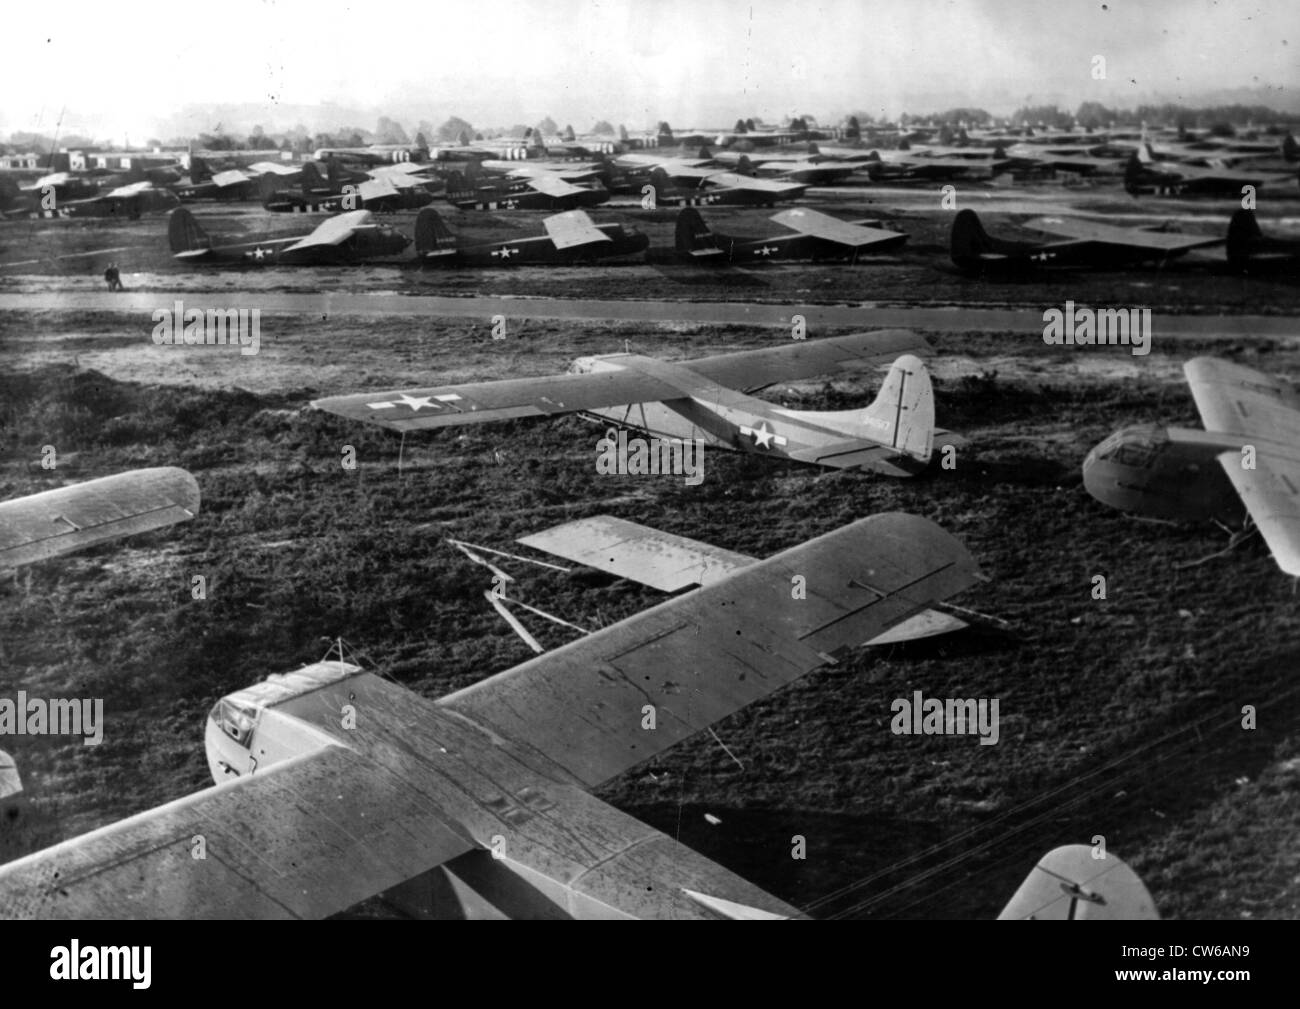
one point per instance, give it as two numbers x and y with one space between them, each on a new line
568 177
572 237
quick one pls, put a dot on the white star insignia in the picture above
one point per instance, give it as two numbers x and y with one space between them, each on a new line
763 436
767 250
505 253
405 399
258 253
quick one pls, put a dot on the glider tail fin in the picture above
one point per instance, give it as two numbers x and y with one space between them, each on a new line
902 415
693 235
184 233
311 180
659 184
1243 233
969 240
457 188
1073 883
1290 149
431 232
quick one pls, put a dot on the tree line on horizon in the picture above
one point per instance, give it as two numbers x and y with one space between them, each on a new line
1222 120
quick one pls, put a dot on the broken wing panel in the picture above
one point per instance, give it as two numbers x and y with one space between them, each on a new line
648 556
700 657
59 521
305 838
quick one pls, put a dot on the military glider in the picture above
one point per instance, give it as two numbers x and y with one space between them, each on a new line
130 201
1080 243
812 168
234 184
723 189
1145 174
815 236
705 400
541 191
1243 468
375 155
935 165
345 239
479 804
571 237
380 192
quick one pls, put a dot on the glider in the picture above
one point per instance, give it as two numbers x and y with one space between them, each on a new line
1076 243
812 235
1245 464
347 238
479 804
706 400
570 237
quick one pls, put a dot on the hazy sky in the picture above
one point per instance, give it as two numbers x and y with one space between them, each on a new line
129 69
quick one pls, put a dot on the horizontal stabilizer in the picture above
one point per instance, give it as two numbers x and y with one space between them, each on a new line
1070 883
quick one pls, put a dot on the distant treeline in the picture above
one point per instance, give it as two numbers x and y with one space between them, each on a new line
1095 116
1220 119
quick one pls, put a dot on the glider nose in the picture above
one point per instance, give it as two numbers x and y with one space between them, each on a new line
1096 481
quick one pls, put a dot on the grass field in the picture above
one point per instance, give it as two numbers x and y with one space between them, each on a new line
1120 717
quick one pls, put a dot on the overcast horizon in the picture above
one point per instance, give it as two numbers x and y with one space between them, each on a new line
694 64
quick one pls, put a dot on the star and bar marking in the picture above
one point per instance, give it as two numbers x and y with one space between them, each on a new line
764 436
418 403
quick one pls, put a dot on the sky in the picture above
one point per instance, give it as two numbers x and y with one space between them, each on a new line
131 71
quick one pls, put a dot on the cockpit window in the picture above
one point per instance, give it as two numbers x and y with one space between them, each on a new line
1131 449
1134 454
236 720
